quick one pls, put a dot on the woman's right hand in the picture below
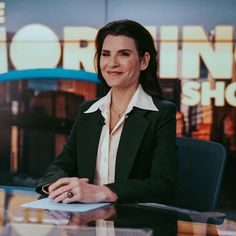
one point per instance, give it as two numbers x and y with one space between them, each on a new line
58 190
81 190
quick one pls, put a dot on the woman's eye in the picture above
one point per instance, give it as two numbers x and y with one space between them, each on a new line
104 54
125 54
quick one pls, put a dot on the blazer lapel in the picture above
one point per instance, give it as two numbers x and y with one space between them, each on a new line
133 132
89 130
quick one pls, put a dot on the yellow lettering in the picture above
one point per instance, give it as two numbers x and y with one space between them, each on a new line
3 51
169 52
35 46
215 91
190 93
217 57
77 55
230 94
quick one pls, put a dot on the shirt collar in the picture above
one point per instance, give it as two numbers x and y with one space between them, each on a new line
140 99
102 104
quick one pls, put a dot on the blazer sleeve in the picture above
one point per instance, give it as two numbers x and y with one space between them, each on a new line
65 164
160 186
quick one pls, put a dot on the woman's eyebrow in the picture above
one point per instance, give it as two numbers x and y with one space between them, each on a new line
104 50
125 50
121 50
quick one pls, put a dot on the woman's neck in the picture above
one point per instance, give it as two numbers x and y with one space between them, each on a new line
120 98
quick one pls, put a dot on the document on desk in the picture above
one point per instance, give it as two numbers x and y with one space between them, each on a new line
47 203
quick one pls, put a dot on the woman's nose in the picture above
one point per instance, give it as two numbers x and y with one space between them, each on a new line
113 62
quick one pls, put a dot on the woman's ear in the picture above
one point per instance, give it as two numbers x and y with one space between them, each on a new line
145 61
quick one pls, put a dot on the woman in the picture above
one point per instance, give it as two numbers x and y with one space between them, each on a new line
122 146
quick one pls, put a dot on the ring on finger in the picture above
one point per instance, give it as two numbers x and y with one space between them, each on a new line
70 194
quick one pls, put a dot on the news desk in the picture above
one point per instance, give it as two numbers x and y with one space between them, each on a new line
128 219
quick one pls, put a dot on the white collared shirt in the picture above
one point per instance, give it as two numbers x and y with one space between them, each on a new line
109 141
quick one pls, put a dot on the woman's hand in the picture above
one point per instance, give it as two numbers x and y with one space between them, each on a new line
82 191
83 219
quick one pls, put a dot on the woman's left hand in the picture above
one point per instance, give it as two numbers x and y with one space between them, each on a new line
82 191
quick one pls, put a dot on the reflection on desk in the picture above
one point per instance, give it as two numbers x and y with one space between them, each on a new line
110 220
45 230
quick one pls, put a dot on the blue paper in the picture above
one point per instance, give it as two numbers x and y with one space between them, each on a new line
48 203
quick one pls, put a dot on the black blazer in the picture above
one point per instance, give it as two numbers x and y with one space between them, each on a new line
146 163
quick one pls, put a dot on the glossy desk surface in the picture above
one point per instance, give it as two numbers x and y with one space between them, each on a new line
106 221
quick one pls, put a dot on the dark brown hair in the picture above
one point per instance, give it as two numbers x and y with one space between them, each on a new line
143 42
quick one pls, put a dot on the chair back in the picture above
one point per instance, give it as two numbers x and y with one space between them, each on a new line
201 166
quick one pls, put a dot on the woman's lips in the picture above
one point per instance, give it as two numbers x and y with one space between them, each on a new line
114 73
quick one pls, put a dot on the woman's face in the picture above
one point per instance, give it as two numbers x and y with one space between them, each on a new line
120 63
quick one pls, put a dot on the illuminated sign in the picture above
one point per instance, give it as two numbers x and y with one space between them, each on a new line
37 46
